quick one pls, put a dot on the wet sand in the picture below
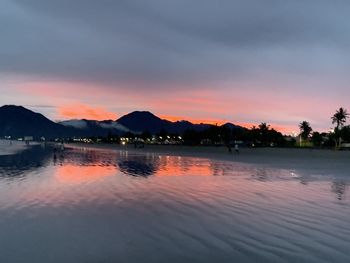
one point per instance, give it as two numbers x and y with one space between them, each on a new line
117 204
10 148
310 161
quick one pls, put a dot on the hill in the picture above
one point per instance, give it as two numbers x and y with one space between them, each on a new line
96 128
17 121
146 121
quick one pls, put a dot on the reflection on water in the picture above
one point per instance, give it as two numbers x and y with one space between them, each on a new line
143 165
112 206
339 188
73 174
22 163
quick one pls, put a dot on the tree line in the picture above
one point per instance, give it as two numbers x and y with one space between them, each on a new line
340 133
257 136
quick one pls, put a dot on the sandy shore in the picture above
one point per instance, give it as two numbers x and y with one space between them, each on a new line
310 161
9 148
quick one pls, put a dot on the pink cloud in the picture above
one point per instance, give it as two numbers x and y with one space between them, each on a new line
82 111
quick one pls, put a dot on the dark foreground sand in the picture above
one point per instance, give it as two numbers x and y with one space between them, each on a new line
311 161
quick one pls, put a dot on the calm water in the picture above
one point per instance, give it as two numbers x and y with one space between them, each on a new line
104 206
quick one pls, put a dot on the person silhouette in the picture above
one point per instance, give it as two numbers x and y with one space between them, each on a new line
236 148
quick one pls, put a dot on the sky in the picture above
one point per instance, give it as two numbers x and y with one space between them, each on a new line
240 61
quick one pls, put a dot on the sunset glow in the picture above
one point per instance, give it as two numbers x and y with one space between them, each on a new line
62 101
196 121
81 111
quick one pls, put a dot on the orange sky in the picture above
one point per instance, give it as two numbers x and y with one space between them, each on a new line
196 121
70 100
82 111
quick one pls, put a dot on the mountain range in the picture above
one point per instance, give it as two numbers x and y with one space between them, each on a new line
17 121
140 121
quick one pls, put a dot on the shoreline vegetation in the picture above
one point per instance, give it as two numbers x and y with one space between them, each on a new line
230 136
143 127
261 144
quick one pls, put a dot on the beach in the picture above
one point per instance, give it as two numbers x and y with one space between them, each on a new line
8 147
110 203
324 162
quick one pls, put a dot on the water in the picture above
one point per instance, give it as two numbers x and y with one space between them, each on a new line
99 206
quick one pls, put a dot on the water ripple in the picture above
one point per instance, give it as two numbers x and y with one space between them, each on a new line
101 206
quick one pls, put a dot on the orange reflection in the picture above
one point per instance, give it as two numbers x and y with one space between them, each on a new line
161 165
73 174
175 166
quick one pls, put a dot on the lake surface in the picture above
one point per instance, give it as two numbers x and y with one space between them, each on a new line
111 206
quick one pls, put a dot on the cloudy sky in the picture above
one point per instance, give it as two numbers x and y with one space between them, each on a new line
244 61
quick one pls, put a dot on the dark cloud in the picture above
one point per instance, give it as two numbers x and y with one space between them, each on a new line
183 41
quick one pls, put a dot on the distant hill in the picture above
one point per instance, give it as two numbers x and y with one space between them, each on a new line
140 121
17 121
146 121
232 126
96 128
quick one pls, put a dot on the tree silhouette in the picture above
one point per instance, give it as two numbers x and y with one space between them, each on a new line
317 139
305 130
263 132
339 118
345 133
263 127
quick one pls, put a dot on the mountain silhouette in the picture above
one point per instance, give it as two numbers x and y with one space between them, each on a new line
96 128
17 121
141 121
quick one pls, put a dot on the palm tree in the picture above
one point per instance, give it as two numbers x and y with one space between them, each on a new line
305 130
339 118
263 132
263 127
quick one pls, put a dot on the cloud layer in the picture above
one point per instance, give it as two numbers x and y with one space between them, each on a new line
158 41
237 50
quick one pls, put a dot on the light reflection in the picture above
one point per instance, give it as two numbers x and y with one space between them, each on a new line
83 165
77 174
94 195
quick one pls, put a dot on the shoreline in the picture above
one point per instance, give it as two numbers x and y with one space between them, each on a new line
8 147
309 161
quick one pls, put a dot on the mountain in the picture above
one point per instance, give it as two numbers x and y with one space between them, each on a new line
17 121
96 128
231 126
140 121
146 121
181 126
